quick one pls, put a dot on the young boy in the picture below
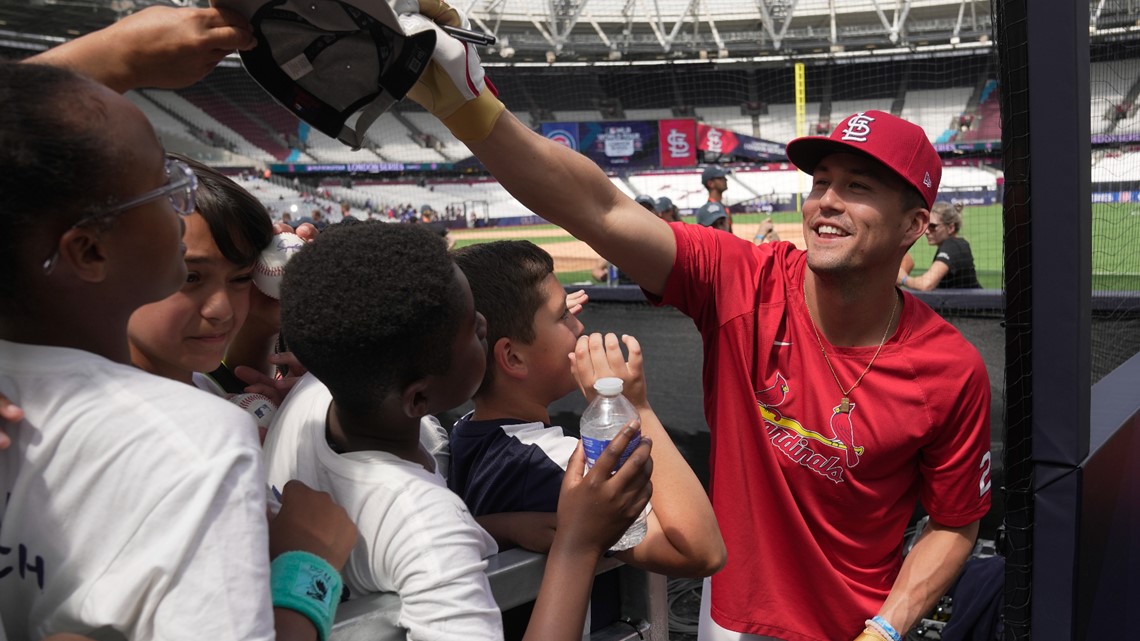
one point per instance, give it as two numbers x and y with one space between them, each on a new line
506 457
385 323
186 335
134 506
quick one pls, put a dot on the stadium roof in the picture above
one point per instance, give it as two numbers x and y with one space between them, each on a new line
643 30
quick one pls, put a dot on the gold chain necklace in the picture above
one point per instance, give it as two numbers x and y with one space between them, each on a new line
845 402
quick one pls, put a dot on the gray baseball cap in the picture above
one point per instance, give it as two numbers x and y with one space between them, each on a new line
709 213
713 171
329 60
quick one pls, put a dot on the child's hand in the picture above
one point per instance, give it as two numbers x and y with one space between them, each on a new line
595 357
275 389
306 231
575 301
596 509
311 522
9 413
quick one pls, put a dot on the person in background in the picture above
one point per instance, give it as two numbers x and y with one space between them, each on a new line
953 265
766 233
666 210
713 213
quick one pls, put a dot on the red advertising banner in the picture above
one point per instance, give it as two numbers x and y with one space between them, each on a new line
717 141
725 142
678 142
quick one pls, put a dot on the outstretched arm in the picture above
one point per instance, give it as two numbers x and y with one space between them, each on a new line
157 47
570 191
683 538
928 280
564 186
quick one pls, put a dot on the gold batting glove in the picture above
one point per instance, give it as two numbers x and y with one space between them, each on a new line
453 86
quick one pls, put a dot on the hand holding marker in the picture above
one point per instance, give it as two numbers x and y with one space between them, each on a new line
469 36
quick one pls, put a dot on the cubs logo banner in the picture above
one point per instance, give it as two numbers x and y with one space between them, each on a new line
563 133
678 143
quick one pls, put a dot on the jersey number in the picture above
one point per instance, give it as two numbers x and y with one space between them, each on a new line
984 480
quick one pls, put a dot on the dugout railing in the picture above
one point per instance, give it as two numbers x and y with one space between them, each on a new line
515 576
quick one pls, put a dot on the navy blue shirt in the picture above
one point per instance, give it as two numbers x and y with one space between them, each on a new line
507 465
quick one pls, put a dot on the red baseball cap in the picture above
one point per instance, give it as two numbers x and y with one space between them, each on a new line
900 145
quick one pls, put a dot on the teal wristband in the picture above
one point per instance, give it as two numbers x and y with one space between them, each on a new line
307 584
903 281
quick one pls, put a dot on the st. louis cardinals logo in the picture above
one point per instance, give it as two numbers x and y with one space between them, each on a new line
805 446
858 127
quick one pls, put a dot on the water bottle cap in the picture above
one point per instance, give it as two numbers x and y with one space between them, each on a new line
608 386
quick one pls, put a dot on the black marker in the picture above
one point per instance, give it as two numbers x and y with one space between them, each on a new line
467 35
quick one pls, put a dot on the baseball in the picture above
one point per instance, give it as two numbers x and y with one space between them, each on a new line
259 407
270 264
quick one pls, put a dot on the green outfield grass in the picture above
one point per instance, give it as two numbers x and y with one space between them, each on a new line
538 240
1116 245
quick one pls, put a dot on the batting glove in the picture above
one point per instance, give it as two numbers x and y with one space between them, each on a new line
453 87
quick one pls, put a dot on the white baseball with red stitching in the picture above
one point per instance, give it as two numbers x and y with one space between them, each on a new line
270 265
259 407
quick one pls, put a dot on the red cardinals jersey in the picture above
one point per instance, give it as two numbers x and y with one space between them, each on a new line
813 502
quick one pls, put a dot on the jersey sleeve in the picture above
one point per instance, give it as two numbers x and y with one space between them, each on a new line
955 466
715 275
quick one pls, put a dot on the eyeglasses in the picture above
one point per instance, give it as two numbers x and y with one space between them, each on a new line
932 226
180 187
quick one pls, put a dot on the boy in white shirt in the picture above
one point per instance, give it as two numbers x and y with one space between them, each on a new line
385 323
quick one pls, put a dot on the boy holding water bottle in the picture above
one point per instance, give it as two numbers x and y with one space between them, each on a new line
507 460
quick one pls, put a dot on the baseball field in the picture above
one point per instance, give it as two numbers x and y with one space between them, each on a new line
1116 237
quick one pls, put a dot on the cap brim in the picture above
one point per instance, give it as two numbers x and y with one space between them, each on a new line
805 153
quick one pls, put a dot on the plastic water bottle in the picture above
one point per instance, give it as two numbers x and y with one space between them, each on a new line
603 419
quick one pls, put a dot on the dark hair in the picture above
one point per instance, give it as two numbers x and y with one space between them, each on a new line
371 307
55 161
911 197
506 280
238 222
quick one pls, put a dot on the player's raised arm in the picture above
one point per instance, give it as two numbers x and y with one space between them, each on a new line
561 185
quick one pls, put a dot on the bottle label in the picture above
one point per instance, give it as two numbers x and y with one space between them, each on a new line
595 447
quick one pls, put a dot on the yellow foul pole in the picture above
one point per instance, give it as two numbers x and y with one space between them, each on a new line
801 125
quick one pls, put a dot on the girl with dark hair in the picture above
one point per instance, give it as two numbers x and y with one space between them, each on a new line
188 332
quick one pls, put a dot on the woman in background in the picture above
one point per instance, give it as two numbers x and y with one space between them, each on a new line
953 265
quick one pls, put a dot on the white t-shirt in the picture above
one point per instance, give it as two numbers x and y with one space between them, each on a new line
134 504
416 537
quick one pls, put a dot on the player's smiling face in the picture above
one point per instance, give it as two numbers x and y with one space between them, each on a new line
190 330
854 216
